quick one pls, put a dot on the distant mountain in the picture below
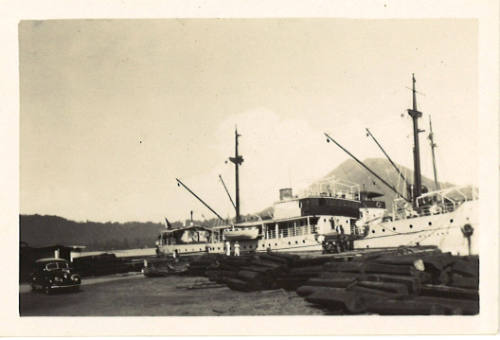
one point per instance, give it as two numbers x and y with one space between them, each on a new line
38 231
352 171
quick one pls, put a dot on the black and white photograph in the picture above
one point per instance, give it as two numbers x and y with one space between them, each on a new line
321 167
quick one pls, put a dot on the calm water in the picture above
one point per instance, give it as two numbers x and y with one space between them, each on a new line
120 253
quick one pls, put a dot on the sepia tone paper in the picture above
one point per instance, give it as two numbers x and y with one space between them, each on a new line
476 24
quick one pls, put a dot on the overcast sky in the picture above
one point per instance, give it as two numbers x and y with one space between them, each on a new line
113 111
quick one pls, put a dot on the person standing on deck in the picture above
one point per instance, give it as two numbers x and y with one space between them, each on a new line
228 248
236 249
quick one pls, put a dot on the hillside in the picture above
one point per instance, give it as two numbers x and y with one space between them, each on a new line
38 231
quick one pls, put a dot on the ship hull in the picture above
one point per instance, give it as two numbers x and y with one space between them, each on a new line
304 243
446 231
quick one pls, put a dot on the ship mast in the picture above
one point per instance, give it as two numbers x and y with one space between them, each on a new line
433 146
237 160
415 115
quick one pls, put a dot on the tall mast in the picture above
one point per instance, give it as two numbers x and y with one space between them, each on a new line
433 146
415 115
237 160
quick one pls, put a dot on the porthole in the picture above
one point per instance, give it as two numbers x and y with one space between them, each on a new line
411 226
394 228
264 245
451 221
430 223
303 241
269 244
324 219
296 242
289 243
383 230
218 248
276 244
373 231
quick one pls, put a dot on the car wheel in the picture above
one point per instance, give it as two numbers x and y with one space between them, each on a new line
47 290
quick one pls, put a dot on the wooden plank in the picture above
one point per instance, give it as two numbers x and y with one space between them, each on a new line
464 282
268 263
412 283
466 268
338 275
259 269
240 285
306 270
290 283
272 258
355 267
306 290
374 292
337 299
449 292
247 275
390 287
332 282
289 257
315 261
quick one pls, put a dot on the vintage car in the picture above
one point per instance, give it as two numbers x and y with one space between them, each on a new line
51 274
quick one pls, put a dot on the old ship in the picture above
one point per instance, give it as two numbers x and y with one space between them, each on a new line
337 216
446 218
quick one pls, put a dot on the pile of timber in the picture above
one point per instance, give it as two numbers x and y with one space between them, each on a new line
163 266
391 284
244 273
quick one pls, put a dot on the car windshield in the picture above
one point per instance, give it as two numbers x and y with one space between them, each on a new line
51 265
62 265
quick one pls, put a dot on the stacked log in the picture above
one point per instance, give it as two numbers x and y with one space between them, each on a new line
387 283
199 265
395 284
245 273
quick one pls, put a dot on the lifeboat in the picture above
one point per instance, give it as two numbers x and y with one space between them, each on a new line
241 233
